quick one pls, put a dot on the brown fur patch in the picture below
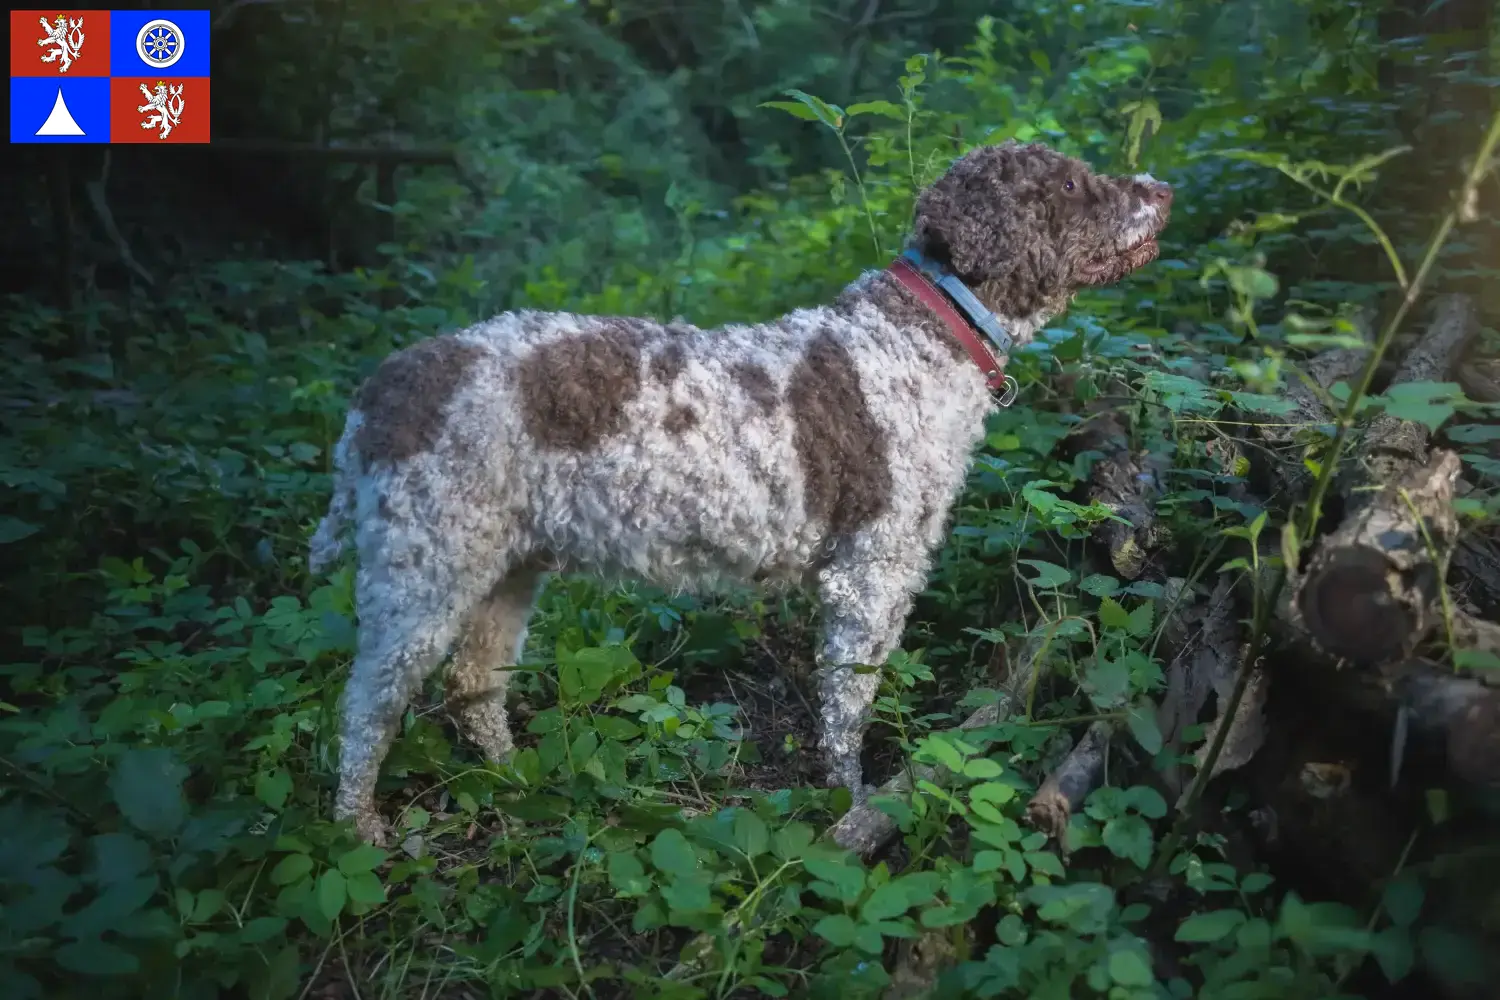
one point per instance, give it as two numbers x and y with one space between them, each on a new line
757 384
842 449
668 363
405 402
680 420
574 391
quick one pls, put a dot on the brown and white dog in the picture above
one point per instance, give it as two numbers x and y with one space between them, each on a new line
823 449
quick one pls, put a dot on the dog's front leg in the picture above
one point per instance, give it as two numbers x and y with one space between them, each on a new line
864 614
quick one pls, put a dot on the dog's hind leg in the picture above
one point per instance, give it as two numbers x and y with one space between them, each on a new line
406 628
480 673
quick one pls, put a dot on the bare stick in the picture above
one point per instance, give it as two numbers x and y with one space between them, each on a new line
1070 783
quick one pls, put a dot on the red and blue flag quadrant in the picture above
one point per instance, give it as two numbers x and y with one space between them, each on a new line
158 109
110 76
156 42
60 44
43 110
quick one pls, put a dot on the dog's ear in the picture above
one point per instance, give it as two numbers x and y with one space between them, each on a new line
977 218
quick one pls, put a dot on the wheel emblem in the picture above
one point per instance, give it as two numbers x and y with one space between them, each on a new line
160 43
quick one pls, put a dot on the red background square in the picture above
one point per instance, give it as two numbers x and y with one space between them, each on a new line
26 54
125 120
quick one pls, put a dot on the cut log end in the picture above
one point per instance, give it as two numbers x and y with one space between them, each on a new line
1356 608
1369 592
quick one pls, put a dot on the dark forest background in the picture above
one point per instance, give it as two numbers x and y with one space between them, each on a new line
185 325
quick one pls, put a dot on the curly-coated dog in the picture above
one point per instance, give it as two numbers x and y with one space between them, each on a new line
823 448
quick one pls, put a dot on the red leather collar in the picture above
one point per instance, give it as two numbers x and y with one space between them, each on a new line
972 341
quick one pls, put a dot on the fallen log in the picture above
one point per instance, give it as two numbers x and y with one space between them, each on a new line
1370 592
1127 483
1065 789
1462 711
1285 438
1393 446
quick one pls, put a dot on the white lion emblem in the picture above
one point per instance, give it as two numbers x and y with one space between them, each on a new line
167 102
66 36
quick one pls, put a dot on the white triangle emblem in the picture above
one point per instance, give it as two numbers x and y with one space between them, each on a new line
60 121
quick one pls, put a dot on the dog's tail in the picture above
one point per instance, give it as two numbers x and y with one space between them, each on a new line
327 544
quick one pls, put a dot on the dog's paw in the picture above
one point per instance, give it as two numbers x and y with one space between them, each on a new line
370 827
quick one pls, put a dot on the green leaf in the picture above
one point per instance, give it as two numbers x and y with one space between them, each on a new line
1141 619
672 854
867 939
688 895
1459 955
290 868
332 893
750 834
366 888
791 841
885 108
118 856
981 768
93 957
1142 723
885 903
1426 403
273 787
1394 953
1145 800
118 905
612 727
1129 837
1128 967
1099 585
1403 898
940 751
1113 615
1206 928
1255 882
837 929
364 858
997 792
1049 575
792 108
1045 862
1473 433
1107 682
147 788
845 881
275 978
13 530
829 114
627 875
1476 659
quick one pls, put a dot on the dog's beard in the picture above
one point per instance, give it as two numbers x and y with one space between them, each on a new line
1111 268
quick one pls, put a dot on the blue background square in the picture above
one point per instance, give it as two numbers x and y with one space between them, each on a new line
124 25
32 98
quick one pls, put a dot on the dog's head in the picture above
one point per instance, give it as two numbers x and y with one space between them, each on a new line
1025 227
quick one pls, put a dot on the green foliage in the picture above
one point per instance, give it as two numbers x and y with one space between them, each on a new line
167 725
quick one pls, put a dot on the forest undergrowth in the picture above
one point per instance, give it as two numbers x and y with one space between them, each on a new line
170 691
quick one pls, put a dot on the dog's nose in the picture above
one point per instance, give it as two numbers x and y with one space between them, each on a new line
1159 194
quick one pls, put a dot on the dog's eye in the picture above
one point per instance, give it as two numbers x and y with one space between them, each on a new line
1068 185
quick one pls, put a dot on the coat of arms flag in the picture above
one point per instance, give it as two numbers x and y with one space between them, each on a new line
109 76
